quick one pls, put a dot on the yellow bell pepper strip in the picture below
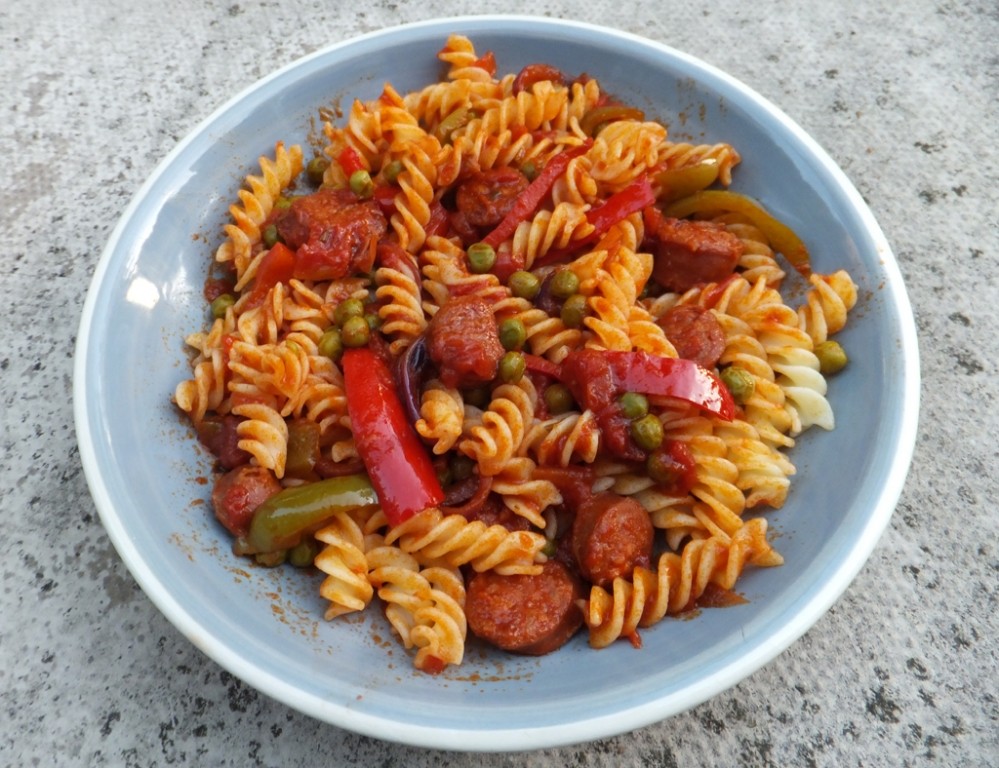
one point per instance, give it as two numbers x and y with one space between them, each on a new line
393 454
608 113
677 183
712 202
284 519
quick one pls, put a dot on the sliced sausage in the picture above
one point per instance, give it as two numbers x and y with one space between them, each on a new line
695 334
333 232
486 197
531 615
237 494
610 536
691 252
463 342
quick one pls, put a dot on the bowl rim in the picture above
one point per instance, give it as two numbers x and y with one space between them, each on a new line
481 739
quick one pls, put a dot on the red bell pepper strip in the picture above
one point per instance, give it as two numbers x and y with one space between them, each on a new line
542 365
277 266
394 457
438 223
596 377
637 196
649 374
487 62
350 160
531 197
384 195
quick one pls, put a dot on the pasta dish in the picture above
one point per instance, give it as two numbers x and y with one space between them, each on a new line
509 362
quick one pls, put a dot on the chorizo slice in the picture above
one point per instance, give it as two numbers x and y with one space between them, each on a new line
463 342
610 536
237 494
530 615
333 232
688 253
695 334
485 198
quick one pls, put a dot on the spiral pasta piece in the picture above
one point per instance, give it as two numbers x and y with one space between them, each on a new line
455 541
264 435
623 151
442 413
462 60
342 559
682 155
547 336
402 313
255 205
563 439
523 494
827 304
675 585
439 627
494 438
547 230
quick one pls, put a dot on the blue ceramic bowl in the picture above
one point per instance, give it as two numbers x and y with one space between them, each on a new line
148 477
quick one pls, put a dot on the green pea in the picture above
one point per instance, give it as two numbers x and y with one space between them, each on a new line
355 332
361 184
564 284
574 311
391 171
282 203
661 469
558 399
461 467
222 303
550 548
634 405
477 397
374 321
271 559
647 432
739 382
331 345
270 236
529 169
512 334
444 475
316 170
512 367
303 553
481 258
524 285
832 357
347 309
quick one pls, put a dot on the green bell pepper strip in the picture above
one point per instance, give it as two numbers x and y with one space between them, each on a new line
713 202
283 519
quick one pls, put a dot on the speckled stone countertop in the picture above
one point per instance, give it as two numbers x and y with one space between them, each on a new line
901 671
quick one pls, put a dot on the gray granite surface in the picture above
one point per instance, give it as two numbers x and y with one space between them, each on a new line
902 671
